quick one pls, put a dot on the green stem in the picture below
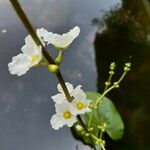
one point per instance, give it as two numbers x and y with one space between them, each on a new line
90 119
109 89
101 97
109 81
122 77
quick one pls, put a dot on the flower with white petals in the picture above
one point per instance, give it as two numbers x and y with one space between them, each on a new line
80 103
59 41
63 116
80 106
31 55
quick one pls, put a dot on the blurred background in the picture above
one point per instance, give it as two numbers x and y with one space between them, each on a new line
111 30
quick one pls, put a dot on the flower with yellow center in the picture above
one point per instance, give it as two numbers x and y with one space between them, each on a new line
80 103
67 115
80 106
31 55
63 116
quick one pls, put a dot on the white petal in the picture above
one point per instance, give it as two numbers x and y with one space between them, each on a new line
47 36
69 87
65 39
59 98
71 121
30 48
56 122
78 93
19 64
62 107
61 41
41 32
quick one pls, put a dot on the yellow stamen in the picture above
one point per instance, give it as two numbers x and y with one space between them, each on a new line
34 58
67 115
80 105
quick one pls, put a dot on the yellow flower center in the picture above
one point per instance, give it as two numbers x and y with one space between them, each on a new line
34 58
80 105
67 115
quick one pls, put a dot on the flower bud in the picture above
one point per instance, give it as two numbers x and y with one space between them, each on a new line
79 127
112 66
116 84
53 68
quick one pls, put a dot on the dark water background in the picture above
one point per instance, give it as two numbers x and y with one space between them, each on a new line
25 103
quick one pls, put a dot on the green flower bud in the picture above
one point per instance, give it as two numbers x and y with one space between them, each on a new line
107 83
53 68
87 134
116 84
79 127
111 72
112 66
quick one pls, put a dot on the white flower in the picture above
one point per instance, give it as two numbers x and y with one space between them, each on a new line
80 103
60 41
31 55
63 116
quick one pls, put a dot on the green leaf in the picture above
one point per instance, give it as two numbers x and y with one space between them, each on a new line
108 114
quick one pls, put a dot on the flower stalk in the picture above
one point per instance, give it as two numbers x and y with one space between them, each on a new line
115 85
47 56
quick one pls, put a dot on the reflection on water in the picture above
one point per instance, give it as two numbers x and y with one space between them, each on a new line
124 35
25 104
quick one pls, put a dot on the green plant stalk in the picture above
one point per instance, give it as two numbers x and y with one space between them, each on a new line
90 119
109 81
34 36
109 89
21 14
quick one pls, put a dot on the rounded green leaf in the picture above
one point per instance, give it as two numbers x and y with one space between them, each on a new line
107 113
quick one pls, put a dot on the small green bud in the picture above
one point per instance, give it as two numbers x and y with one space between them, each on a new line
107 83
99 127
111 72
90 129
112 66
103 142
95 107
128 65
126 69
87 134
116 84
103 130
105 125
79 127
53 68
